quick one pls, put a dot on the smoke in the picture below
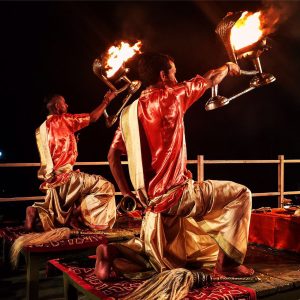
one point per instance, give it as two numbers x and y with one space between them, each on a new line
274 13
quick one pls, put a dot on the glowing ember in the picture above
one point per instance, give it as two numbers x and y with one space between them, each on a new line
246 31
117 55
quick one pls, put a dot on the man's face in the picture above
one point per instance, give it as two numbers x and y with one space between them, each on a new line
172 73
61 105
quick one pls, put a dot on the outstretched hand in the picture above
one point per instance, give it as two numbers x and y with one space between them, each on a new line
109 96
215 76
233 69
98 111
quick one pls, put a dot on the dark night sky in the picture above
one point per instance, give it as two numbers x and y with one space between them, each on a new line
50 47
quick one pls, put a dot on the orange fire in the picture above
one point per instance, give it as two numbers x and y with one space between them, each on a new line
246 31
117 55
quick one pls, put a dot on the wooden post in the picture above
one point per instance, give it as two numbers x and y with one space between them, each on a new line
200 168
32 277
70 292
280 180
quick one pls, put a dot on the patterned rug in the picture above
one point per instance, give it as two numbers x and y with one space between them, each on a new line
126 227
84 277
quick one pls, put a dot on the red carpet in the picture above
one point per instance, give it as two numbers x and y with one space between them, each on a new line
84 277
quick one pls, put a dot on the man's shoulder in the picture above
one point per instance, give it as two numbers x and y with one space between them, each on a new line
51 119
68 116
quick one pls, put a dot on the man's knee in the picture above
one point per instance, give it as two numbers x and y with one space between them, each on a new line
104 187
110 188
247 193
246 197
31 218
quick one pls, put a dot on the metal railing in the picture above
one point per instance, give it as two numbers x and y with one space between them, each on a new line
200 163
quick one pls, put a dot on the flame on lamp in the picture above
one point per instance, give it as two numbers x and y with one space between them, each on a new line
117 55
246 31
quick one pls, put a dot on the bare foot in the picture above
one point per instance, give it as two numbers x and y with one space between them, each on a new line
226 266
238 271
74 224
124 265
104 269
31 216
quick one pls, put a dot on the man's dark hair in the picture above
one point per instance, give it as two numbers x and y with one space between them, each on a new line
150 64
50 101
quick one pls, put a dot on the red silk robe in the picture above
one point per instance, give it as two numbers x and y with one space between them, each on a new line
161 111
62 146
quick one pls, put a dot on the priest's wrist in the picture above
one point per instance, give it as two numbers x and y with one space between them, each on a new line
106 101
228 67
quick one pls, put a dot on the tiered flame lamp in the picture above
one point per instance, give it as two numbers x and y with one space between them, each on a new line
243 37
111 69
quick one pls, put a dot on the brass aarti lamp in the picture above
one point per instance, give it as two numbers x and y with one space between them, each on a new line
111 69
232 32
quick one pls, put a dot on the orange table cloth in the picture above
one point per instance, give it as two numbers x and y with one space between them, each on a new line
277 229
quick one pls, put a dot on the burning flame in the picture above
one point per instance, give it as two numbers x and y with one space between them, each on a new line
117 55
246 31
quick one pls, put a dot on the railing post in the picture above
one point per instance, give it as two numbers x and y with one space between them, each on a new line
280 180
200 168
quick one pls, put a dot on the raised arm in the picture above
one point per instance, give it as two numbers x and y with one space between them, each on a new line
215 76
98 111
